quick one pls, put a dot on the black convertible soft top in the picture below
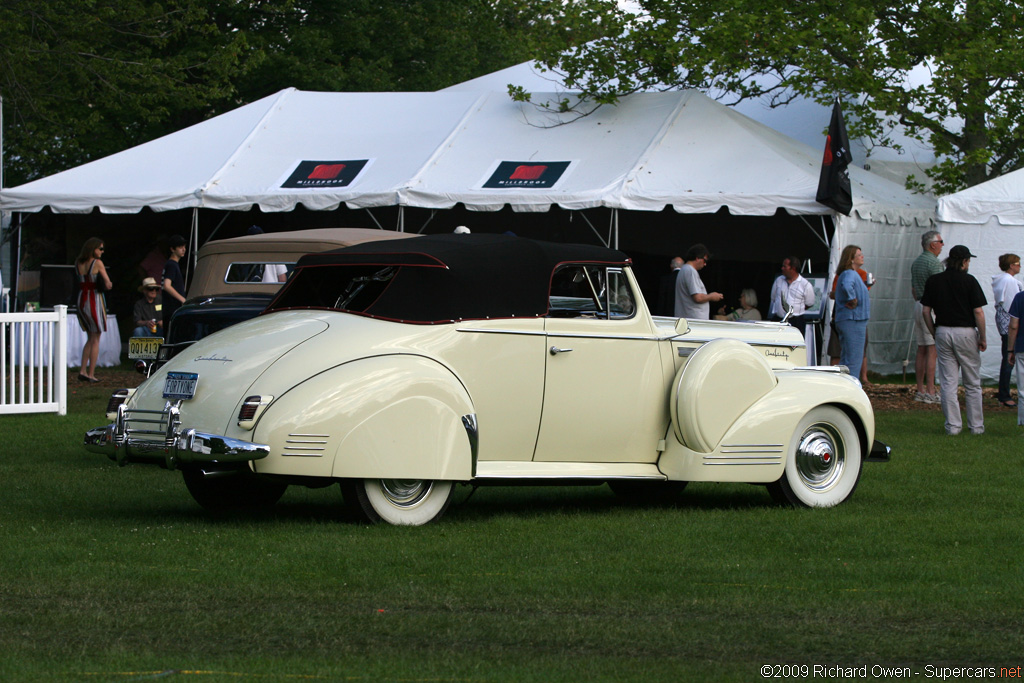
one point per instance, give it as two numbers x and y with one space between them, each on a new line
437 278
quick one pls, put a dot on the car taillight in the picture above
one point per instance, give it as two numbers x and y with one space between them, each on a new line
251 409
248 410
116 399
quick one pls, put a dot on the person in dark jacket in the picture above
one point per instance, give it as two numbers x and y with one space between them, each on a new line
959 331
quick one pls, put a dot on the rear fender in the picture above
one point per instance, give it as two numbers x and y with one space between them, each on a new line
395 416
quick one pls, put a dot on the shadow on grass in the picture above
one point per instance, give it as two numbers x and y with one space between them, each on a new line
540 501
469 504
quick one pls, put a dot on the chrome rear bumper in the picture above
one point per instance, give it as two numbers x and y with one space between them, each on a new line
150 436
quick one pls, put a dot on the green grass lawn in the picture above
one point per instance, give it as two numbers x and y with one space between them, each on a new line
115 574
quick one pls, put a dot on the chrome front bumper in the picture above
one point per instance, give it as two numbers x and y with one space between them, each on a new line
152 436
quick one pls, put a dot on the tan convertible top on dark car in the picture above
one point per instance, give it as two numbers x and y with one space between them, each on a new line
234 265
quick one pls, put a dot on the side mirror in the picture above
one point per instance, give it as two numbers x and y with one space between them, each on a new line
682 327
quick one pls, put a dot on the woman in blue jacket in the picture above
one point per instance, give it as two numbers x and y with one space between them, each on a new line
853 308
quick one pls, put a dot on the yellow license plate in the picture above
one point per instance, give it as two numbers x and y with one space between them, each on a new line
144 348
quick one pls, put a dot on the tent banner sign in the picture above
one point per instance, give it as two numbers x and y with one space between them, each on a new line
526 175
325 174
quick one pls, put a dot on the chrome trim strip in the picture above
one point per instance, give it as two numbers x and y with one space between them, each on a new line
751 450
739 458
528 333
745 462
300 441
758 342
836 369
473 433
568 335
753 456
312 436
580 335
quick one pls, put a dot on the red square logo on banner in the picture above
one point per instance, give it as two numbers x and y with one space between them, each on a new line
326 171
528 172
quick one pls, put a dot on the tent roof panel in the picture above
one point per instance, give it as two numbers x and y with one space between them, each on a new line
436 150
1001 199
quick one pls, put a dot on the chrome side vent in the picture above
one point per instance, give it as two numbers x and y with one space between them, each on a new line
746 454
306 445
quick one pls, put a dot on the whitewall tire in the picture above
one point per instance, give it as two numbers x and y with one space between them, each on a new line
824 461
405 502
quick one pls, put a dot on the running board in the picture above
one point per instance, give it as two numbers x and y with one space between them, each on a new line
514 469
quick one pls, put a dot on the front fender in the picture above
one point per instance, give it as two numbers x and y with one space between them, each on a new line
394 416
754 447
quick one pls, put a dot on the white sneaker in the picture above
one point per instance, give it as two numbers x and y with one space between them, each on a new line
921 396
932 398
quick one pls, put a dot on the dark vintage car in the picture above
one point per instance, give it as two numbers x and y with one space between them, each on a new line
230 283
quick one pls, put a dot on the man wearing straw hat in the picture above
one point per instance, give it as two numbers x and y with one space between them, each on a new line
147 314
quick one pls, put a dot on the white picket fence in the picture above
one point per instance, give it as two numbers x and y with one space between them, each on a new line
33 370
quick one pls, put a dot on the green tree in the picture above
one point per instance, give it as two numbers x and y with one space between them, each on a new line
969 109
399 45
81 79
84 78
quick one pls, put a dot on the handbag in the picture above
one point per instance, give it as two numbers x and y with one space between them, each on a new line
1002 320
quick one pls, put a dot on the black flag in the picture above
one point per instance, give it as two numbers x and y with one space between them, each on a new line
834 183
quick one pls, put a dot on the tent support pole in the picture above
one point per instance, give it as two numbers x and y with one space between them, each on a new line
433 212
591 225
226 214
15 262
193 246
823 237
615 228
401 219
374 219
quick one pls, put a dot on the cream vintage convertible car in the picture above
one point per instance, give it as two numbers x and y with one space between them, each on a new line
403 368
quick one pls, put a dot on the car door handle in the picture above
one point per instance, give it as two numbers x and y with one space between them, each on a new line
555 350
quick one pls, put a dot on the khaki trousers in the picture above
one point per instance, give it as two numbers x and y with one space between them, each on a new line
958 354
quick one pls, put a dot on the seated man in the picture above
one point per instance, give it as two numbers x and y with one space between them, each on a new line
147 313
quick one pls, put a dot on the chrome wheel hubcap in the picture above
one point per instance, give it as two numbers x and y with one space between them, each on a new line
820 457
405 493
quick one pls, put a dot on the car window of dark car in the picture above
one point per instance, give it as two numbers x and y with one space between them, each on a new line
241 272
196 323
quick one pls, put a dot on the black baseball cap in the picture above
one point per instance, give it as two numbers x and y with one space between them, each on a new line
960 252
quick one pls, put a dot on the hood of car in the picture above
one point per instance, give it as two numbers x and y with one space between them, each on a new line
227 363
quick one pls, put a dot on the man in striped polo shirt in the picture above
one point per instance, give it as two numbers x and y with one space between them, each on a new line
925 265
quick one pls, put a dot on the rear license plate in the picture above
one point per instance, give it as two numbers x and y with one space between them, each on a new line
180 385
144 348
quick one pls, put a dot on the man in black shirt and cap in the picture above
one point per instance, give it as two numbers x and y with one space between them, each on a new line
959 330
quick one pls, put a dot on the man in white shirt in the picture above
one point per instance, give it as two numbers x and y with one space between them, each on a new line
692 298
791 290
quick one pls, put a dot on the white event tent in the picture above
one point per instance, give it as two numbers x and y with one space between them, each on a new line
989 219
437 150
